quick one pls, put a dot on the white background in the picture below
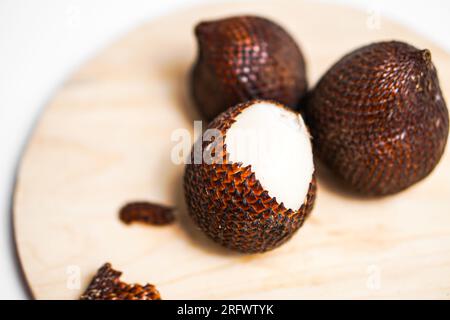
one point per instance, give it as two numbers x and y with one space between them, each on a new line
42 42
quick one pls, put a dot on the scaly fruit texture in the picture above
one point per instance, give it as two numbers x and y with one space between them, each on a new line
228 200
106 285
243 58
378 118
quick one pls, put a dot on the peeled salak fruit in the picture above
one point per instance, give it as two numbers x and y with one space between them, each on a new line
378 118
259 187
243 58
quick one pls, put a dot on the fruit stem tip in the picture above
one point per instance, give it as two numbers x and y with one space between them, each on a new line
426 55
201 28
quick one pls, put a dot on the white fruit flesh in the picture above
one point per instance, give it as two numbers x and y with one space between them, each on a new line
276 143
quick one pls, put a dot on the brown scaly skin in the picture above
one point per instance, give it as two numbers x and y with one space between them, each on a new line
243 58
106 285
229 204
378 118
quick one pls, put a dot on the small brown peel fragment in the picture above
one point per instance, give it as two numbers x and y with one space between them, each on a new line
146 212
106 285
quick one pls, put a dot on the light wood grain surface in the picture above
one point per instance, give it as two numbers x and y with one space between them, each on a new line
105 139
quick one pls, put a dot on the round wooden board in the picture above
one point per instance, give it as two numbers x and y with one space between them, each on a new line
105 139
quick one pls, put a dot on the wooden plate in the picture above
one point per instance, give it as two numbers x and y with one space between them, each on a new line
105 139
